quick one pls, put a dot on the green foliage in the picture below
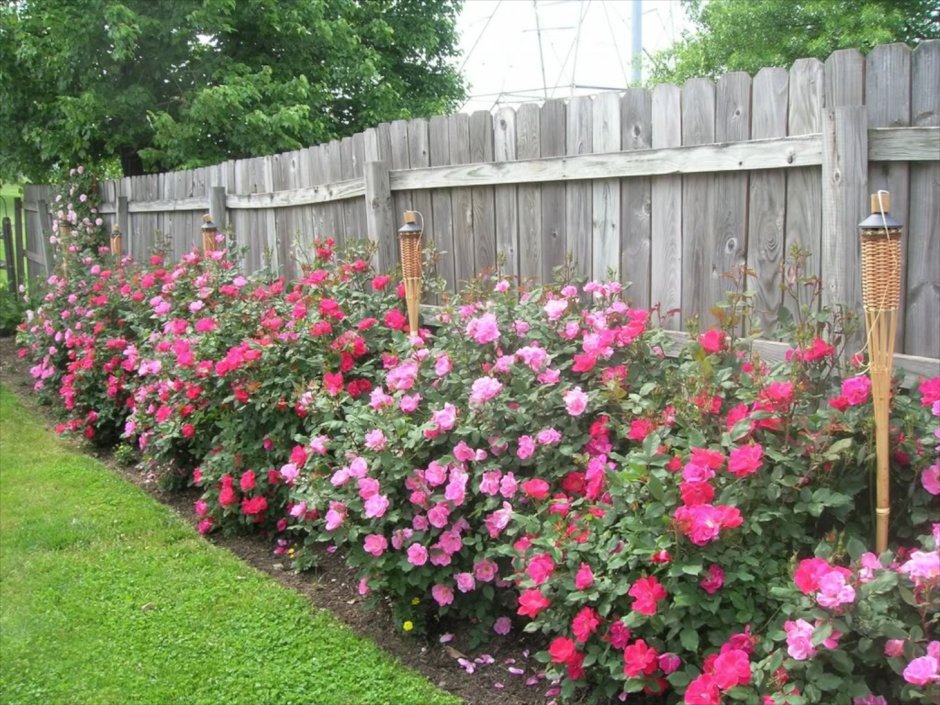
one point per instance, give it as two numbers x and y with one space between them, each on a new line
747 35
178 84
108 597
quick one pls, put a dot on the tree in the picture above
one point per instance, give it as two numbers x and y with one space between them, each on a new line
746 35
164 84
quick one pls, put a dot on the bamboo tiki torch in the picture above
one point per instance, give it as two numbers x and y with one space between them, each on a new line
209 231
409 241
881 297
117 241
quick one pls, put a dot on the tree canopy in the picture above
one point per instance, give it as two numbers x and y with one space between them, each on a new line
746 35
165 84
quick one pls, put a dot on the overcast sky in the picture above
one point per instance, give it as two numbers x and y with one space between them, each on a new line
585 43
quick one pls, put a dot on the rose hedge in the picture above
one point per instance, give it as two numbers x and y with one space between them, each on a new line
690 526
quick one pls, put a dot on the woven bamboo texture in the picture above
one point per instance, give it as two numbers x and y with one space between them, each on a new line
881 270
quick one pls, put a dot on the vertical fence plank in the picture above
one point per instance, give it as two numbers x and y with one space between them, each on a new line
635 200
19 240
379 219
483 198
399 159
314 159
357 228
579 198
845 204
443 233
530 200
728 246
666 216
767 198
419 156
555 243
606 192
845 78
922 334
698 201
332 172
888 100
347 166
458 129
803 227
505 201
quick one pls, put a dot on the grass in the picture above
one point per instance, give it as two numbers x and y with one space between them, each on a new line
106 596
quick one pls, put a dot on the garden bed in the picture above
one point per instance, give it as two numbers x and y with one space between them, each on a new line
331 585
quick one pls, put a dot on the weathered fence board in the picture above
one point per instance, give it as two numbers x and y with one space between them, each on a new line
635 200
767 197
530 200
606 192
922 309
506 202
803 228
579 139
668 189
666 217
698 201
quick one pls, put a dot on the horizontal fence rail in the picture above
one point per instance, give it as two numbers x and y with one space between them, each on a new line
667 189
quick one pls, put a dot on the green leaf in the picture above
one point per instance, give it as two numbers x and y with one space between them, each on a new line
827 681
689 639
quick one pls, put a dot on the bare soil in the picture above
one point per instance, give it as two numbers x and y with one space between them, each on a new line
332 586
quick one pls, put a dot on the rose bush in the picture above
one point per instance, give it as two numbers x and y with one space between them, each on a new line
691 526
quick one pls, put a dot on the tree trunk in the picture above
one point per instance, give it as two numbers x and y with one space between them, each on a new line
131 163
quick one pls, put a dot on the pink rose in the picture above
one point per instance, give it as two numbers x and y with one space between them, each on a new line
375 544
442 594
575 401
417 554
584 578
922 671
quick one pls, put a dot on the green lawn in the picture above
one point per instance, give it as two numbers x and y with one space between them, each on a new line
106 596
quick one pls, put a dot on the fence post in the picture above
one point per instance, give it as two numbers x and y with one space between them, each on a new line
9 252
380 221
19 241
845 194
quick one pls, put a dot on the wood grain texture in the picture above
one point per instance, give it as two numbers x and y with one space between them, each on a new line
400 158
666 216
888 101
698 201
579 126
483 197
458 128
605 206
552 134
530 201
379 218
922 311
419 155
635 199
767 198
506 201
844 82
443 233
803 226
845 204
729 237
332 172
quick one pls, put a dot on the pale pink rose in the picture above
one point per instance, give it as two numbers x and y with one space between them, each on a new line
483 330
922 671
894 647
376 506
484 389
555 309
575 401
442 365
438 515
485 571
409 403
502 626
375 440
930 479
465 582
445 418
442 594
800 639
436 474
417 554
375 544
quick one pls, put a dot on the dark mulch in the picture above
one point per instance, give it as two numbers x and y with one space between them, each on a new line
332 586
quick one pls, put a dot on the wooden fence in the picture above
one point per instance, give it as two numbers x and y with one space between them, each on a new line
667 189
